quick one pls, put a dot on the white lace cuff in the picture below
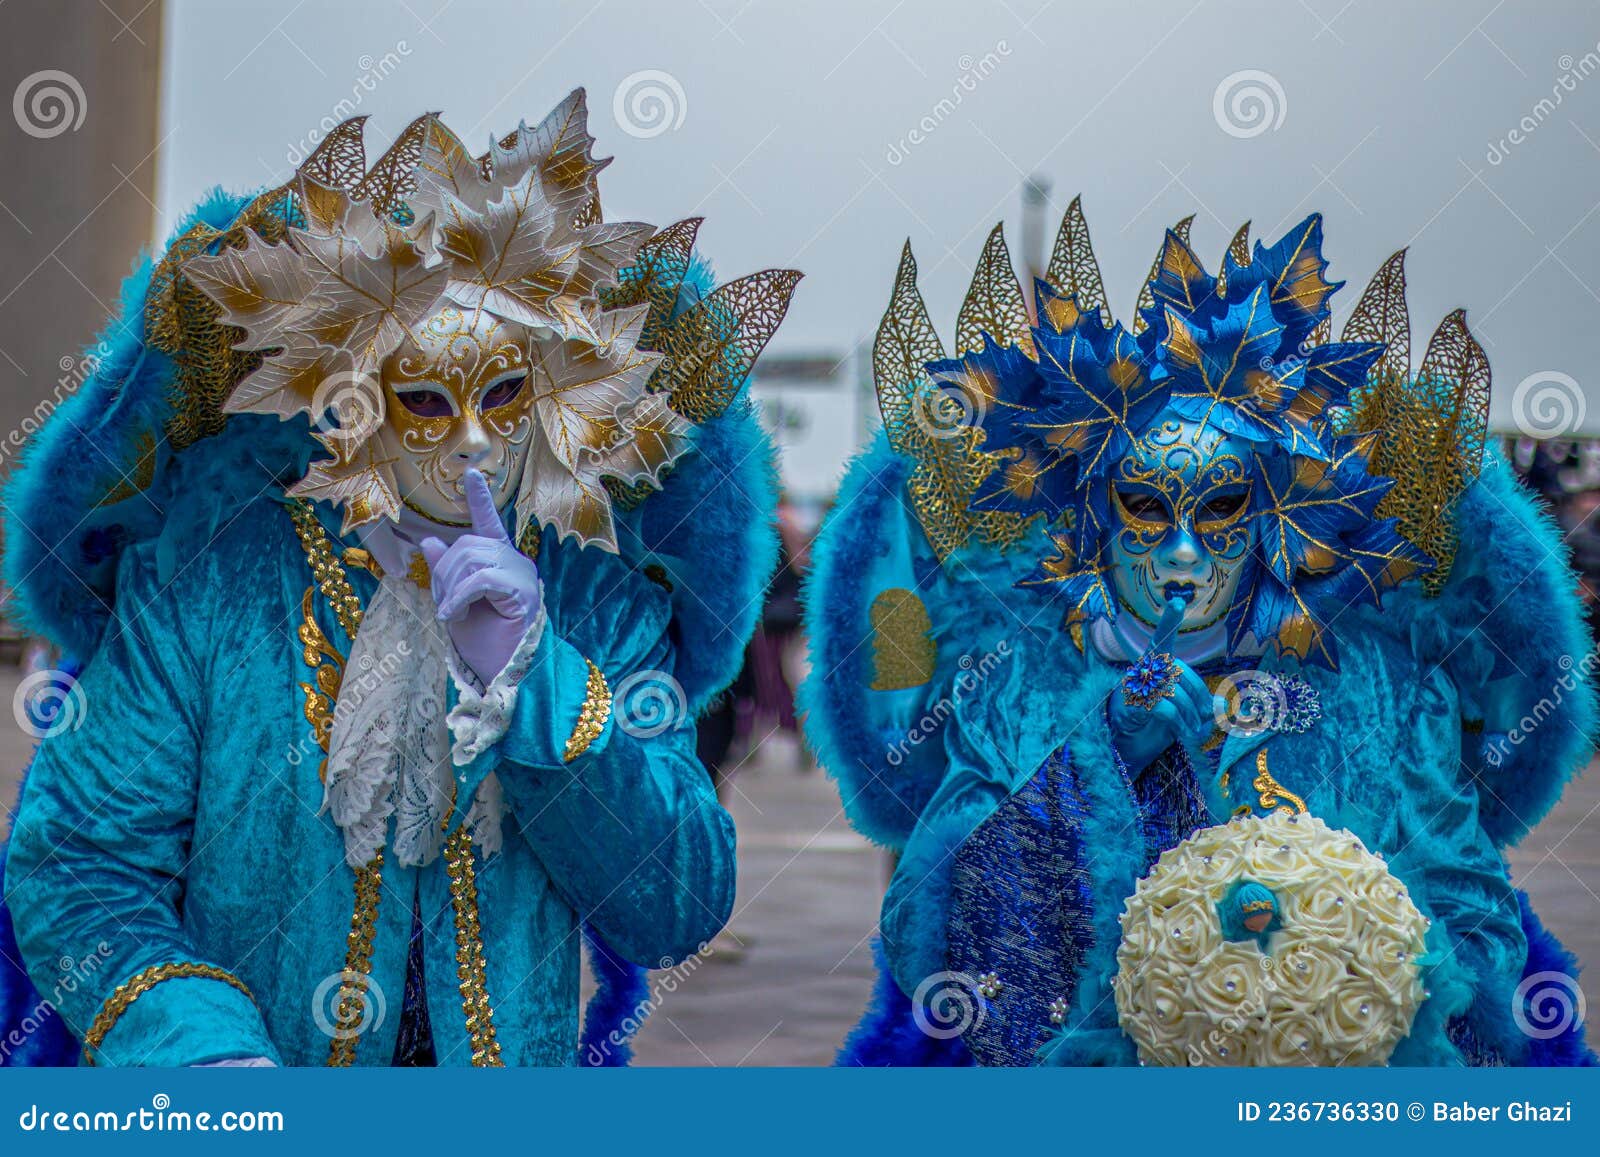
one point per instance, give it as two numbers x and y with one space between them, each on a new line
482 714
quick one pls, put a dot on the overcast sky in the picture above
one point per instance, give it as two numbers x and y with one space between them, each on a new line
821 135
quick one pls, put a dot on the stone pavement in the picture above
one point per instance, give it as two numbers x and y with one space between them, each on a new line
808 898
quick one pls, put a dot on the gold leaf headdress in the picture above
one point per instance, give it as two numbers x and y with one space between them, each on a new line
293 308
355 272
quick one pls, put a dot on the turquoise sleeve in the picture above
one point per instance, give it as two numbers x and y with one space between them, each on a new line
95 874
629 829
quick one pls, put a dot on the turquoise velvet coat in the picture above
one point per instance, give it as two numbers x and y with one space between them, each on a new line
178 817
180 821
1396 756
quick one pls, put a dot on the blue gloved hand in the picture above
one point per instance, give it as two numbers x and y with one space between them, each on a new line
485 589
1140 733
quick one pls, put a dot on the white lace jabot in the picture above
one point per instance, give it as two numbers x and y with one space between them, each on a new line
392 747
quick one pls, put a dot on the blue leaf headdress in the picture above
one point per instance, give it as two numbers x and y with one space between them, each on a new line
1057 405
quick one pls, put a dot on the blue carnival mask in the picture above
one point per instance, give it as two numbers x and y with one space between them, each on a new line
1180 525
1202 455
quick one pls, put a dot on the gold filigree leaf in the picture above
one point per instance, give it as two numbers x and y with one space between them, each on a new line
1073 270
655 278
1239 247
1454 355
949 466
1442 436
340 160
1381 315
905 343
903 649
711 348
393 176
1147 298
993 304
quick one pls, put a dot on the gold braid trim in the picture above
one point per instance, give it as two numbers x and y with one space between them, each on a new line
471 969
592 719
131 990
1270 790
323 692
326 567
357 964
332 579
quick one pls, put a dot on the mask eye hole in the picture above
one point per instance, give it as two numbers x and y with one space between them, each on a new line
1223 507
502 393
1142 506
425 403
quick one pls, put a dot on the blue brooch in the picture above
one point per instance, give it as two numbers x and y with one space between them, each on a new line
1150 680
1267 701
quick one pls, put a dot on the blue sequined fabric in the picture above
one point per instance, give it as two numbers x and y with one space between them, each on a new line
1022 904
1022 912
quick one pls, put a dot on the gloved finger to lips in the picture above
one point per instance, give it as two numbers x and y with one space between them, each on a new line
480 502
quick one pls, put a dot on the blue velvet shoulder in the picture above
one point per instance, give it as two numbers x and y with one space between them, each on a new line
878 743
1510 612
